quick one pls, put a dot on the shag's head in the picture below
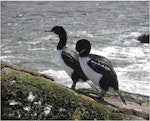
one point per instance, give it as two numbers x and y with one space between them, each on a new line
57 30
83 46
60 31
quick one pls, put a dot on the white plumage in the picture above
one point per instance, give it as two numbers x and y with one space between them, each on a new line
91 74
68 69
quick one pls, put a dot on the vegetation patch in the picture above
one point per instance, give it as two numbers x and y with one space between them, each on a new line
29 97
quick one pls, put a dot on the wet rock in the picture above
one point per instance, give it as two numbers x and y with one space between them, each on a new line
144 38
137 105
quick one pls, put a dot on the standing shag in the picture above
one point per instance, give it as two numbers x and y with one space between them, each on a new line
98 69
68 58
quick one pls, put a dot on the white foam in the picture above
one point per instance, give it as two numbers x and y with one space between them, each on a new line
5 57
35 49
80 33
106 52
133 84
34 42
46 37
61 77
132 34
7 51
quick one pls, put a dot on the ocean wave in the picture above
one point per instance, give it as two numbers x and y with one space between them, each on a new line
75 34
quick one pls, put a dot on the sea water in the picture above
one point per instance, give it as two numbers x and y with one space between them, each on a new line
111 27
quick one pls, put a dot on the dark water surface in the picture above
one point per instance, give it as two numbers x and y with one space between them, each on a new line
111 27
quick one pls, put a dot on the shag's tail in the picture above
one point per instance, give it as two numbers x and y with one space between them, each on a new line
122 99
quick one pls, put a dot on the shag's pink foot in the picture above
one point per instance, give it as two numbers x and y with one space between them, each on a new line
99 96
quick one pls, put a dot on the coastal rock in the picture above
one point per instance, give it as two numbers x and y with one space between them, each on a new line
29 95
144 38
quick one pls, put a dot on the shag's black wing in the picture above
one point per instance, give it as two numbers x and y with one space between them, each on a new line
71 59
101 65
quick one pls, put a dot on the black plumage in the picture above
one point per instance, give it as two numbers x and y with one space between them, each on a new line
100 65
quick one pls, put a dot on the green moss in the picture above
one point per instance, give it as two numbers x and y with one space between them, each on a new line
16 86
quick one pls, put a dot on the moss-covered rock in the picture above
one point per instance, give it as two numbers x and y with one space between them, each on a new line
30 96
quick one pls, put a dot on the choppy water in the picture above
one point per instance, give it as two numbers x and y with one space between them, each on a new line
111 27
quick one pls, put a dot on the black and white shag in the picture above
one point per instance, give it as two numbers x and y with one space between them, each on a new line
97 68
68 58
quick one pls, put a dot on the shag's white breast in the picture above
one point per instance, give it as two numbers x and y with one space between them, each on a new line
89 72
68 70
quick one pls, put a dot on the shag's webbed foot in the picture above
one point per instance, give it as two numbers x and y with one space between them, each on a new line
98 96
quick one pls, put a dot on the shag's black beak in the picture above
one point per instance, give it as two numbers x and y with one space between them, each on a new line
48 31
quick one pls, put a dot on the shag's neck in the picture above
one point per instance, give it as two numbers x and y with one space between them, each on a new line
62 41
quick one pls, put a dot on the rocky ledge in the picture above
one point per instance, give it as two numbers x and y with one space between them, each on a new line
29 95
